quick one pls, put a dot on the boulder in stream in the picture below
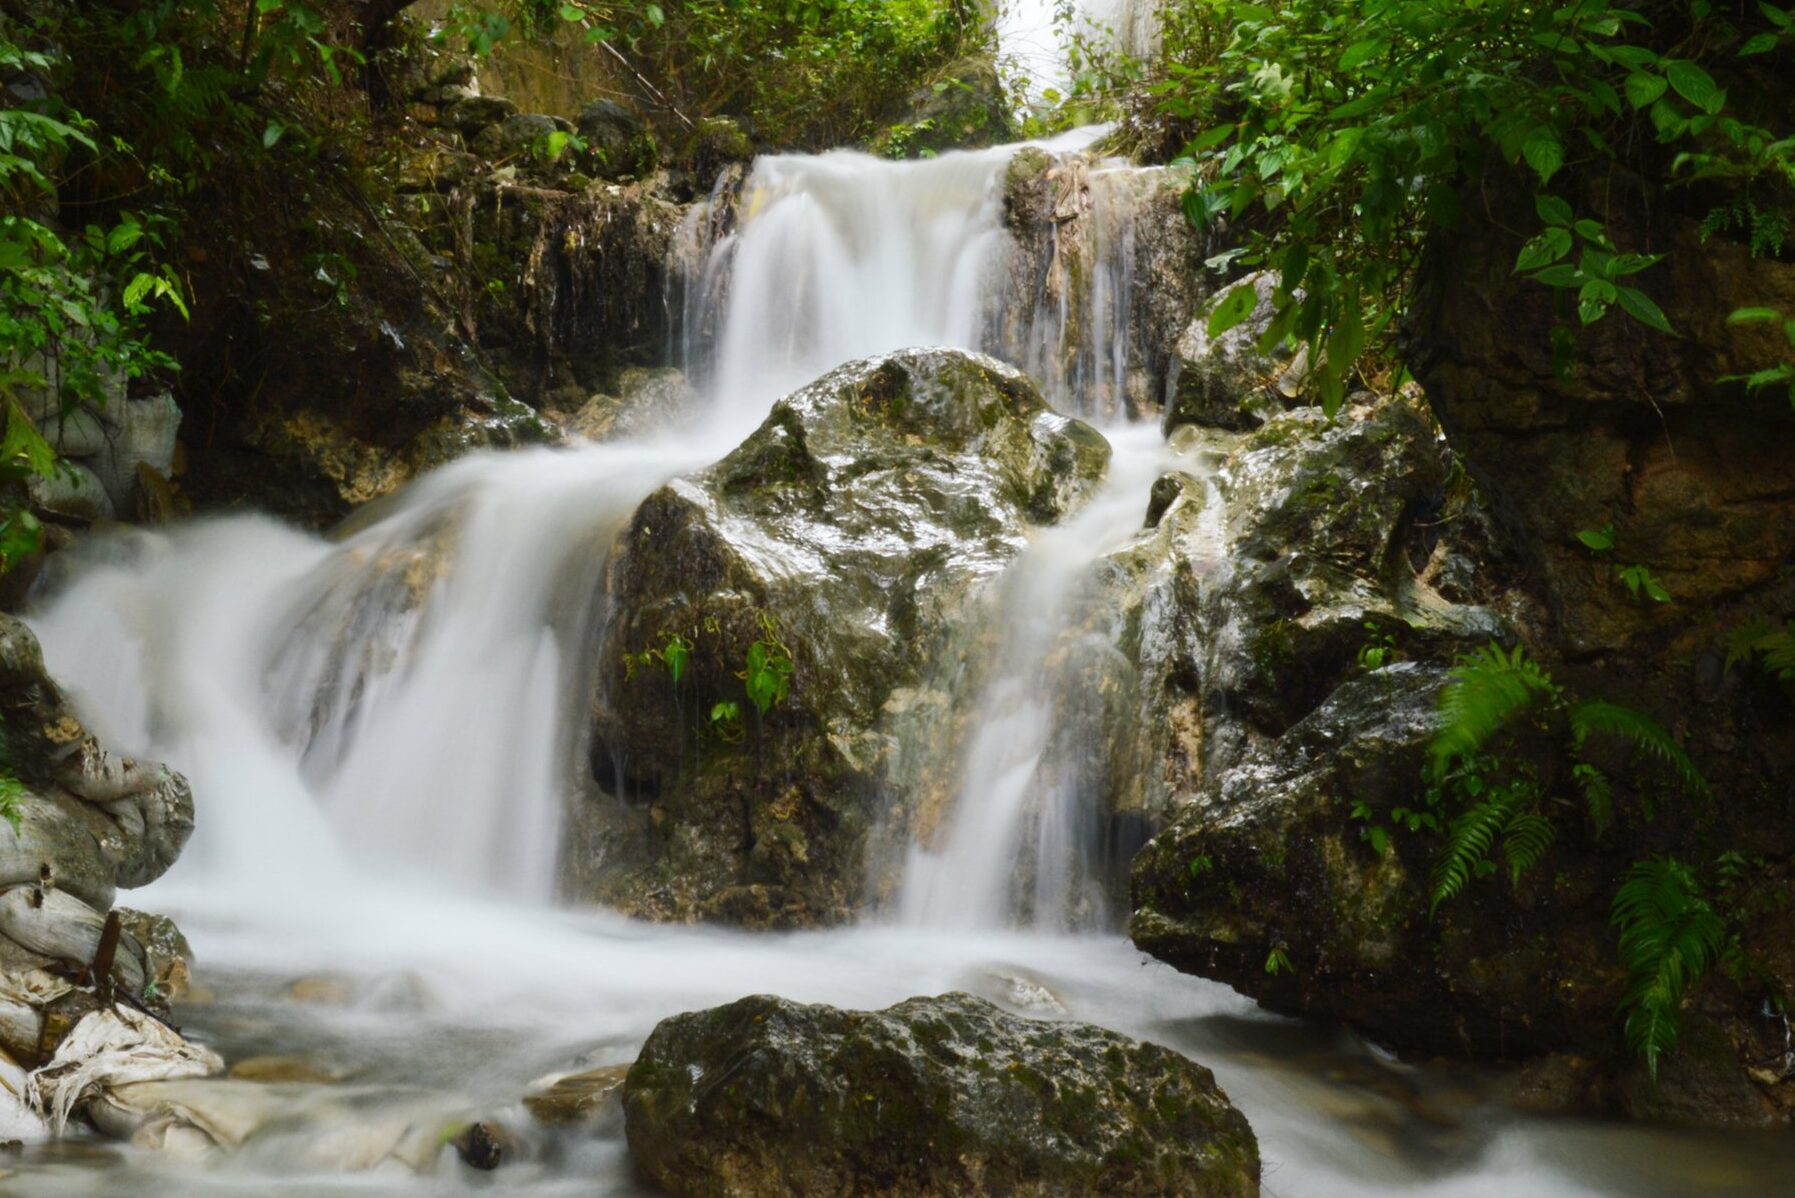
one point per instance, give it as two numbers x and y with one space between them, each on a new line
837 547
932 1097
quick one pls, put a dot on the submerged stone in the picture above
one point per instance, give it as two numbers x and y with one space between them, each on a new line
929 1098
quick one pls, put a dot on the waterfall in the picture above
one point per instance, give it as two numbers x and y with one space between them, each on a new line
1024 833
410 698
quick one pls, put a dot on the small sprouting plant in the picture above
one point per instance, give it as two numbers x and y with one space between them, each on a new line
768 672
726 721
674 652
1278 961
1639 581
1378 649
1201 864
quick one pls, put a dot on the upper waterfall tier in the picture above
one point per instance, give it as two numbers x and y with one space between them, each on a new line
1081 271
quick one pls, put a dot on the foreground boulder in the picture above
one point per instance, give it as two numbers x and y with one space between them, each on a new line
931 1097
837 547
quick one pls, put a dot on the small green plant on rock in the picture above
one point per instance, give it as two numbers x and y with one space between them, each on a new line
1639 581
768 672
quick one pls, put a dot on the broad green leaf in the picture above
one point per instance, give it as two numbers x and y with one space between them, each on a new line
1753 315
1543 152
1552 210
1600 540
1360 53
1561 275
1695 85
1643 89
1235 307
1758 45
1548 247
1641 307
1778 17
1209 139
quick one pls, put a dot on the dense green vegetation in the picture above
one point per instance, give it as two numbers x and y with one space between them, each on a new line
1336 139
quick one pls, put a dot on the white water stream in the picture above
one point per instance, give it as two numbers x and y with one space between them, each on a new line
381 730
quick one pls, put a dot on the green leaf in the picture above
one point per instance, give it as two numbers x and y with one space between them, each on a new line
272 134
1209 139
1642 308
1551 245
1553 210
1760 44
1644 90
1751 315
571 12
1543 152
1235 307
1599 540
1359 53
1778 17
1695 85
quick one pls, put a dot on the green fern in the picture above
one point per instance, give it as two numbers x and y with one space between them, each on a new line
12 795
1469 840
1772 646
1489 687
1669 937
1643 732
1524 841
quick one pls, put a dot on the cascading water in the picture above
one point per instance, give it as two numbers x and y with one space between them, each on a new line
1019 841
378 725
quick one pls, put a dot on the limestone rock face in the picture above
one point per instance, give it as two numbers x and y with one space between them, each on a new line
90 822
929 1098
846 536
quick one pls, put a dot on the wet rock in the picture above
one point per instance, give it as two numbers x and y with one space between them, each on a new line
1337 925
436 168
470 114
520 135
716 142
578 1097
1104 275
963 107
275 1070
847 534
1700 1084
1331 526
644 400
1225 381
931 1097
618 143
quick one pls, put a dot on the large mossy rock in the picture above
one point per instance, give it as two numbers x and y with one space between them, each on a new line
855 529
1271 864
931 1098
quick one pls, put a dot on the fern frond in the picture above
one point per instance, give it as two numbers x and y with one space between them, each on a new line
1489 686
12 793
1598 796
1669 937
1643 732
1524 841
1469 839
1773 643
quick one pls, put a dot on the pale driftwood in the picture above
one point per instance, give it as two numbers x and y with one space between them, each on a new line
57 924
